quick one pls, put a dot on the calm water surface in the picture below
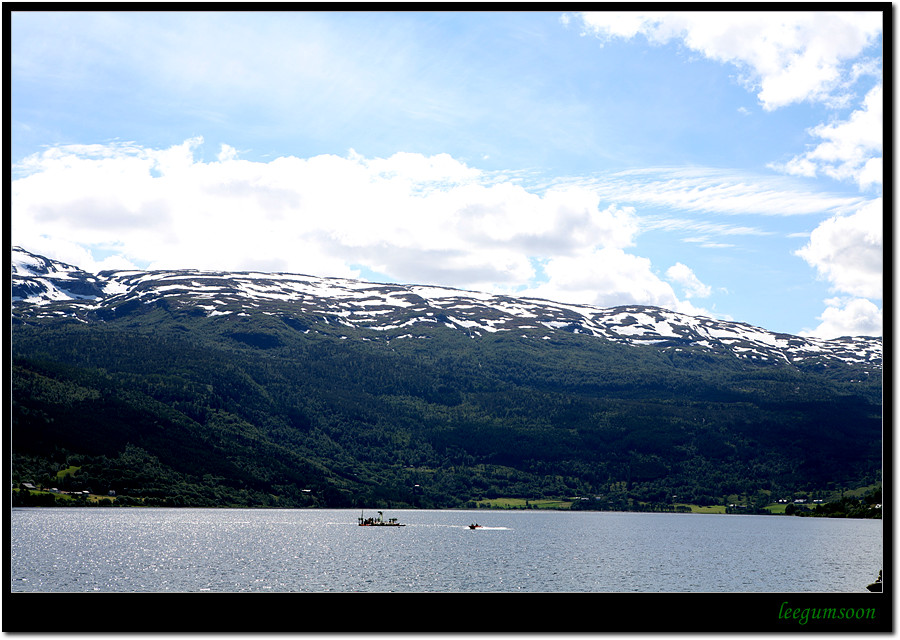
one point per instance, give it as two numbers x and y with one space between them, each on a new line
192 550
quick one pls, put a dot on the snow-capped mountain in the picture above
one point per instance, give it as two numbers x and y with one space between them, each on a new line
39 280
44 288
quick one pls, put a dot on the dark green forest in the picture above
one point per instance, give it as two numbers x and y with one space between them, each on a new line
171 408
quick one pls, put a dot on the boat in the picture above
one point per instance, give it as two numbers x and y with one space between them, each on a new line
475 525
379 521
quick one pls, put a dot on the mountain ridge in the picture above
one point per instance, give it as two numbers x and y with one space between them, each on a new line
40 286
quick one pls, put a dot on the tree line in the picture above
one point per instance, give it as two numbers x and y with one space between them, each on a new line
257 412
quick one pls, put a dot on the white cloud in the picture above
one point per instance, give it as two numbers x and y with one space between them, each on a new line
684 276
226 153
64 250
608 277
847 251
704 231
849 317
415 218
719 191
604 277
851 150
787 57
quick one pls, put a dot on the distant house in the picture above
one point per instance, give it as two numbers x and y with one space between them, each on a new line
28 485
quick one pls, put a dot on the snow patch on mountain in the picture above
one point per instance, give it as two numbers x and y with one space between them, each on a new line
39 282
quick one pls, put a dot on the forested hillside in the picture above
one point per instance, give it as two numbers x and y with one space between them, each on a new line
172 406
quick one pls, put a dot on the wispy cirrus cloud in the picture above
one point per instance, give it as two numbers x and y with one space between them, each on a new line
717 191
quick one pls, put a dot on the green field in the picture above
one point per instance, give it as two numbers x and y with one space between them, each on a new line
718 508
66 498
522 503
546 503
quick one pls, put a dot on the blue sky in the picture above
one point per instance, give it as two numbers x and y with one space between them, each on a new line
719 163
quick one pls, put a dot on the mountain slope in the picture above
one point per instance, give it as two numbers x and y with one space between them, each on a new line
187 387
382 308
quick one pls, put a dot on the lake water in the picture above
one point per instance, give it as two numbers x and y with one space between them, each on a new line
237 550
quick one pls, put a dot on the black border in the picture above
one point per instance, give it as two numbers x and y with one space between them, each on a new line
452 613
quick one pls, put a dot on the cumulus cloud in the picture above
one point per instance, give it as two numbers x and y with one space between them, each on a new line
604 277
849 317
410 217
847 251
684 276
414 218
851 149
787 57
608 277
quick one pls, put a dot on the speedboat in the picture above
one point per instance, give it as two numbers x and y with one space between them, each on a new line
475 526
